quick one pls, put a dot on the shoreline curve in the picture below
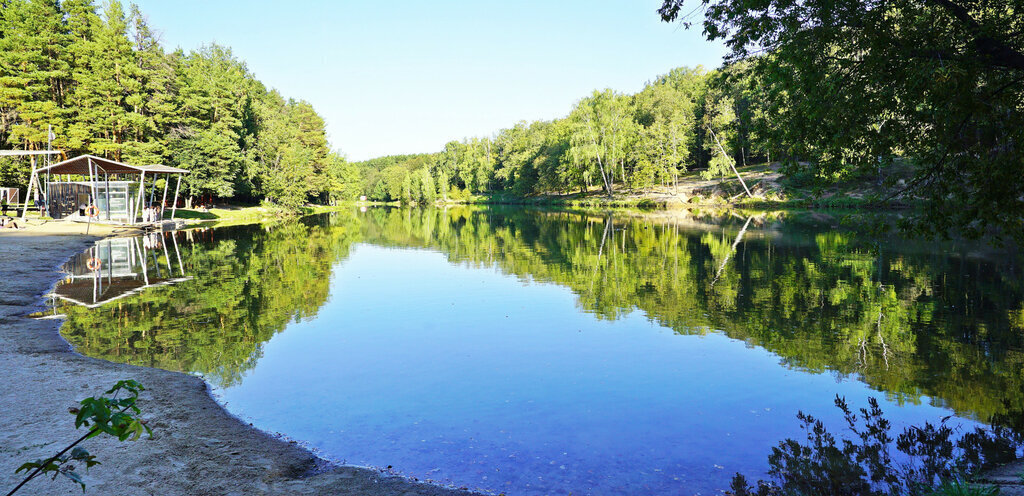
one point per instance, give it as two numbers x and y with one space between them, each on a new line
198 447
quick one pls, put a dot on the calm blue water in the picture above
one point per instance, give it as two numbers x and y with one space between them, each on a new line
464 375
539 352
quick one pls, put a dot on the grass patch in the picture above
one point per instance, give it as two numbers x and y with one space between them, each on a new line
230 215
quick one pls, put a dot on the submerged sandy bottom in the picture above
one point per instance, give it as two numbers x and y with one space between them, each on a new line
197 448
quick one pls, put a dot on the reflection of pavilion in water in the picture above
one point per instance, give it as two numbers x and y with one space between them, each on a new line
118 267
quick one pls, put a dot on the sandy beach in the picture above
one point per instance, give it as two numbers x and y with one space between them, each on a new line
197 447
33 226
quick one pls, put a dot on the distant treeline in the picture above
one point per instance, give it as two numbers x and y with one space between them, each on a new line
100 79
687 119
925 101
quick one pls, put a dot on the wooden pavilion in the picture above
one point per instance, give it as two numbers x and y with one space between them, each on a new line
117 190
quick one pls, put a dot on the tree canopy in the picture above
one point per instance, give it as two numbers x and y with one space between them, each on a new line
858 84
99 78
610 140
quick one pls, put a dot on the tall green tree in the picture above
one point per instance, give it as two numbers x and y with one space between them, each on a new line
601 132
289 157
344 179
215 101
34 71
153 104
108 91
719 123
666 113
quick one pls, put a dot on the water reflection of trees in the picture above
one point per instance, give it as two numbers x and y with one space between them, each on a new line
910 319
250 283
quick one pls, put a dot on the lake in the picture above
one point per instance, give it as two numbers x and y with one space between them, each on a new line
556 352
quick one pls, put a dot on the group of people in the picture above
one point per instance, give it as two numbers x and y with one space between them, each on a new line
151 214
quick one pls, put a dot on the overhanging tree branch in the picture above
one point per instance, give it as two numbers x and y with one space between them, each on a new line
997 52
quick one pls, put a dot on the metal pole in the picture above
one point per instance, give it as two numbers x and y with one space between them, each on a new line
28 192
106 179
174 238
95 291
49 148
176 189
93 173
142 191
156 262
142 260
163 201
110 266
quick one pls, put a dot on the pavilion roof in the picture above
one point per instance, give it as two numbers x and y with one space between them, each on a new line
80 165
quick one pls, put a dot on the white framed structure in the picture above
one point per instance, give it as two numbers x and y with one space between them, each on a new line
119 191
12 194
118 267
9 195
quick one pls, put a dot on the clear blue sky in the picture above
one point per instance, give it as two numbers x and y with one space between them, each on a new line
408 76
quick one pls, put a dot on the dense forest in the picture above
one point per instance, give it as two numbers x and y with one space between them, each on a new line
684 120
100 81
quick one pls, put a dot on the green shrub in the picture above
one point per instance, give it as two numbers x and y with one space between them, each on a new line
458 194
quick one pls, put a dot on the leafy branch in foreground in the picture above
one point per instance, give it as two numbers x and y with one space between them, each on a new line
118 417
933 458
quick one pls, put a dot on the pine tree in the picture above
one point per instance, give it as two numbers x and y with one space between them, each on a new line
215 91
154 103
34 71
109 88
83 23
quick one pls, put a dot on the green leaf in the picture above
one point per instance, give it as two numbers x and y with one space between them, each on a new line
29 466
76 478
79 453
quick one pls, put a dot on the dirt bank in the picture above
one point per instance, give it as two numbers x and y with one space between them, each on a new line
197 447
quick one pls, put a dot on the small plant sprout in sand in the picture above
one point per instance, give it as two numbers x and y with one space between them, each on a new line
118 417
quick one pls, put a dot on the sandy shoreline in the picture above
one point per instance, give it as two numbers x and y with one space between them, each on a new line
197 448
